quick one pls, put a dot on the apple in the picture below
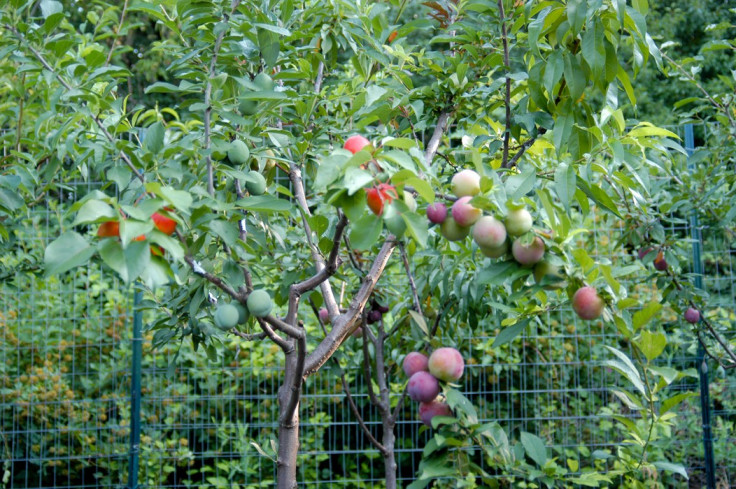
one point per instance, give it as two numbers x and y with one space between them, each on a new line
324 316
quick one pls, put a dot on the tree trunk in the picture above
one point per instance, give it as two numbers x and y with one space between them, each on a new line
288 430
389 459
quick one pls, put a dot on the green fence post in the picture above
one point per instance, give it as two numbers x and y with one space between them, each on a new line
135 393
702 365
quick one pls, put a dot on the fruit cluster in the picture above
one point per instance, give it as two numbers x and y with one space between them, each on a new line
229 315
111 229
444 364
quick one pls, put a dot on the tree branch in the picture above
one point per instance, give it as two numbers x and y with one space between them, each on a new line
298 379
368 374
295 175
507 96
434 141
117 33
412 284
343 322
524 146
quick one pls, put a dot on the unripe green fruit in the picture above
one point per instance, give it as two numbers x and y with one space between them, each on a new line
226 316
259 303
496 252
465 183
451 231
238 153
518 222
264 82
248 107
410 201
257 183
546 269
243 314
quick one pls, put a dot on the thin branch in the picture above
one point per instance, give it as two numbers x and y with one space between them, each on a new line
343 322
507 96
66 85
208 100
434 141
330 267
412 284
360 419
295 175
282 343
368 374
249 336
320 77
711 355
117 33
524 146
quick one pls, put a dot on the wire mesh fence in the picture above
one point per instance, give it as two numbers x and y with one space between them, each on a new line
65 353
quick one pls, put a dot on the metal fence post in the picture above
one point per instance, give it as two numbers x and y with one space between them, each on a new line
135 393
701 362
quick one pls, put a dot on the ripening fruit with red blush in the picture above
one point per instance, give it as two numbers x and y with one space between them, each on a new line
356 143
374 200
415 362
587 304
692 315
437 212
164 224
428 410
109 229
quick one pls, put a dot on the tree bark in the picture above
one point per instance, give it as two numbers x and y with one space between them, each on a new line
286 462
389 459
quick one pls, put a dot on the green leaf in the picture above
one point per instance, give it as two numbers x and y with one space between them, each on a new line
626 367
417 227
510 333
68 251
401 143
647 130
94 211
180 199
355 179
137 258
111 252
51 7
423 188
517 186
652 344
565 184
672 402
268 43
670 467
365 232
226 230
599 196
461 405
329 169
265 203
420 322
644 315
154 139
534 447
